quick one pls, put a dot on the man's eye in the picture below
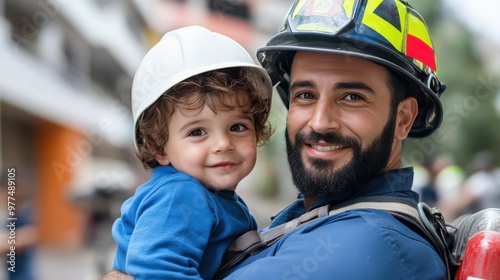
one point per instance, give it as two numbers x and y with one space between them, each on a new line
197 132
353 96
305 95
238 127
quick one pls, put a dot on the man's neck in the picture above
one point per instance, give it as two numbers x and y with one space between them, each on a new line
309 201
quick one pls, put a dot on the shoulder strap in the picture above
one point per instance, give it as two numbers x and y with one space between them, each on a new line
386 206
253 242
424 220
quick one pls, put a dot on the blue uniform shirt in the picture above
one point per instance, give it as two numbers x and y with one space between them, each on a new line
355 244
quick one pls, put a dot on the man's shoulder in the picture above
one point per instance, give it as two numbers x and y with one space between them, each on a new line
360 231
375 234
356 244
366 232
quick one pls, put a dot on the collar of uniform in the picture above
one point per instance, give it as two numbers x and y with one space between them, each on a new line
291 212
393 183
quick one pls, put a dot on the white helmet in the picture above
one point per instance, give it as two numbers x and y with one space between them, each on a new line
186 52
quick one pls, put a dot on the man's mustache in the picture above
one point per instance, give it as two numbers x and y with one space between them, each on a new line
334 138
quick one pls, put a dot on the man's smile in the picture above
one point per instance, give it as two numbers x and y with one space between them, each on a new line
323 148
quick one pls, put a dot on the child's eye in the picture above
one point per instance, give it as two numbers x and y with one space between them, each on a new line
197 133
238 127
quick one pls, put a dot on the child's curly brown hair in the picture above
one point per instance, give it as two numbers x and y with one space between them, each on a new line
210 88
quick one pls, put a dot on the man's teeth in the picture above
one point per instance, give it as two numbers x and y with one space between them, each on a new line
326 148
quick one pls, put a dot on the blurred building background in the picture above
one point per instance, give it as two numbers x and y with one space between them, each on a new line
66 70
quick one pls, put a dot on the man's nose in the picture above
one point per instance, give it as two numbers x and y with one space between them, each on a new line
325 117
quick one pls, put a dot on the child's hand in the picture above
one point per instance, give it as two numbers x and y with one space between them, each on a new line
116 275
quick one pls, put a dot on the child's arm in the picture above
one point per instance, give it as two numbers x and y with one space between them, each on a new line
171 233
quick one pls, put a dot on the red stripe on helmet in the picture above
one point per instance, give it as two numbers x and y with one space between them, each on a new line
419 50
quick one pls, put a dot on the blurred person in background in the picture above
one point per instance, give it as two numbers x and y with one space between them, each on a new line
24 233
449 178
481 190
428 192
444 179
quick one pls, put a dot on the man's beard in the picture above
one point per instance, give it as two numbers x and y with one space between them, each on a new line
346 180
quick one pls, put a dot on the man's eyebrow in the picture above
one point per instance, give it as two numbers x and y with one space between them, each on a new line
337 86
303 83
353 85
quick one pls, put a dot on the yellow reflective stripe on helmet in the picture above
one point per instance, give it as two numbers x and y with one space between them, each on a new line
349 7
298 7
315 27
325 16
417 28
392 33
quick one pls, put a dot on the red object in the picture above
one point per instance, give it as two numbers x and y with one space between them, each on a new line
419 50
481 257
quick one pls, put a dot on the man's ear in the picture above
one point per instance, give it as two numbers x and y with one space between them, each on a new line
162 159
405 116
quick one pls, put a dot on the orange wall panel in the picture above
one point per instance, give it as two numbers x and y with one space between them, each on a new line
60 222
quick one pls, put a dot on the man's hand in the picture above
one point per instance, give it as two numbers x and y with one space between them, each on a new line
116 275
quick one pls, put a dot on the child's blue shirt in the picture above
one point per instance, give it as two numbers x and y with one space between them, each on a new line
175 228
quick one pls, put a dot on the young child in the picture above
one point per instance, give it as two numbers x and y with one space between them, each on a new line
200 107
